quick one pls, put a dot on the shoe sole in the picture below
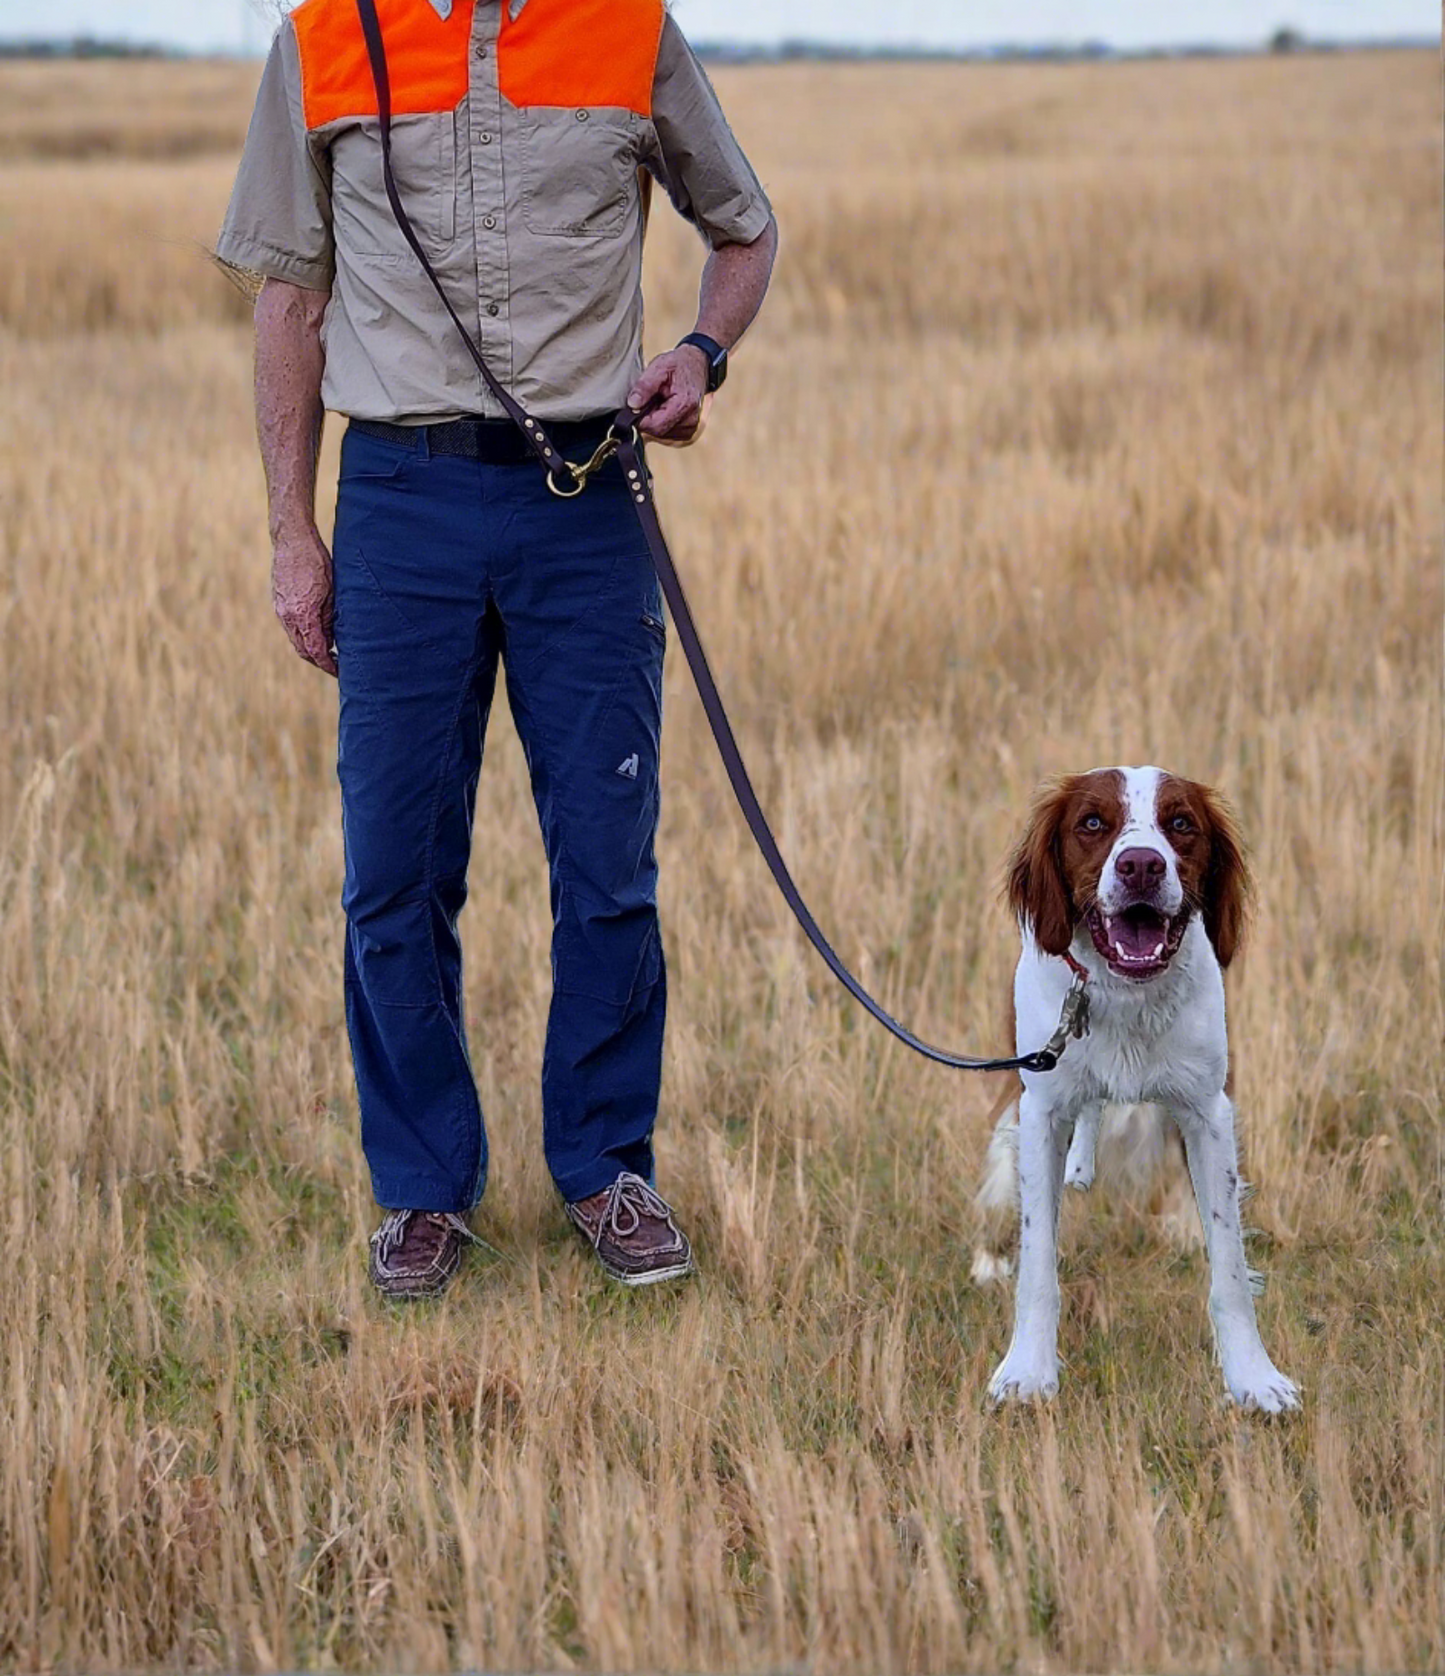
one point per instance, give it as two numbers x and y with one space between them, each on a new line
409 1297
649 1277
398 1291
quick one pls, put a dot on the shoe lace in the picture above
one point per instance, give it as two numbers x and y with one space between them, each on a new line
394 1225
628 1201
392 1231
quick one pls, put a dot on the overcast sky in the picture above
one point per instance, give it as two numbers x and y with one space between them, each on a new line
229 25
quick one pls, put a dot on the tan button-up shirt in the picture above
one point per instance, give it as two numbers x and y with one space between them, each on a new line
519 130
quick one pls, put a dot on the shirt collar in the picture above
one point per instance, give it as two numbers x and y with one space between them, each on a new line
443 8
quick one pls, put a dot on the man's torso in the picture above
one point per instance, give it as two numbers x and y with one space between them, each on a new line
519 135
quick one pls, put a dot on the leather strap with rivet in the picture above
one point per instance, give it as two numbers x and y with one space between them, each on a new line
567 480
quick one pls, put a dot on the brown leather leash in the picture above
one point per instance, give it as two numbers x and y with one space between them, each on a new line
566 480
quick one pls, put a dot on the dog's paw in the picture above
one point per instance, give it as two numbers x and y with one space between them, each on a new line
1262 1389
1079 1165
990 1268
1023 1379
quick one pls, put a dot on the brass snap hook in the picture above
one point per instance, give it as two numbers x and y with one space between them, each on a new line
579 483
580 473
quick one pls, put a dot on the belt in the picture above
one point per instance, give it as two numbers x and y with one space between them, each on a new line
495 442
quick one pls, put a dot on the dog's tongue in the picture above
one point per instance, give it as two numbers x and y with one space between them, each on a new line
1137 933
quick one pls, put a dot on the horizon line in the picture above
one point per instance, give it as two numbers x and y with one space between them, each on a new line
83 44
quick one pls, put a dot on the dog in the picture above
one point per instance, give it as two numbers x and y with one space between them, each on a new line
1135 879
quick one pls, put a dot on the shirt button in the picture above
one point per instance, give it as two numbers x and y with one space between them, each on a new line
489 221
582 116
480 49
484 139
494 308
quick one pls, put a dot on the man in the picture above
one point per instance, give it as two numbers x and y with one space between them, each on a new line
522 130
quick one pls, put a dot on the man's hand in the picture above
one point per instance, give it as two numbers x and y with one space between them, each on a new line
673 390
302 592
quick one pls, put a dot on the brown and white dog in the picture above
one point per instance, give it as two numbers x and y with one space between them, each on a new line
1136 877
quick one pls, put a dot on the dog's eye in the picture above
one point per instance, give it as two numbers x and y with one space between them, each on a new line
1181 823
1092 823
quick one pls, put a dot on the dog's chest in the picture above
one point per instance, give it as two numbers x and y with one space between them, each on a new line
1147 1046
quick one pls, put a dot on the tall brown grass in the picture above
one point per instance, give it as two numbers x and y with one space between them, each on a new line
1095 417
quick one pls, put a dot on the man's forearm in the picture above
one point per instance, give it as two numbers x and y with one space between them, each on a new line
289 363
734 282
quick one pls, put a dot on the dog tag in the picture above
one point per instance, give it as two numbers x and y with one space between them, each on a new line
1074 1019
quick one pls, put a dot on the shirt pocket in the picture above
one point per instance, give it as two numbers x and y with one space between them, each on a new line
579 170
424 162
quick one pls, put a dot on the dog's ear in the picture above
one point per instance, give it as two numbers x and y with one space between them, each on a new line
1038 892
1226 882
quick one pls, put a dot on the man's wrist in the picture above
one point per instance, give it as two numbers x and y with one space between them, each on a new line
293 526
714 355
701 354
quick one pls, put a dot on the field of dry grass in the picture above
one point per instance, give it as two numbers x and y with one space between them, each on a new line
1095 418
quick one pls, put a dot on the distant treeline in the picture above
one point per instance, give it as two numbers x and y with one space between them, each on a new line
1281 41
83 46
791 52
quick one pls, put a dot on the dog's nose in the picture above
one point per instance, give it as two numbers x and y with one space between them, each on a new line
1140 869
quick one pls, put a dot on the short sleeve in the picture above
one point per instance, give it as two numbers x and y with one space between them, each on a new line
279 219
697 160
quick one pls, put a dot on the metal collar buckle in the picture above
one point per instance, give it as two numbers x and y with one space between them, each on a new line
1073 1022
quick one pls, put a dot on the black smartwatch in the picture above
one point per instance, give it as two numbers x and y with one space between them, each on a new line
717 358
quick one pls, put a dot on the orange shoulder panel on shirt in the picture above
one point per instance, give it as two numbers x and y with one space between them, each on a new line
580 52
426 58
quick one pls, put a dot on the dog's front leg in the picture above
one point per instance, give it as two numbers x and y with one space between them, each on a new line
1079 1166
1030 1371
1252 1378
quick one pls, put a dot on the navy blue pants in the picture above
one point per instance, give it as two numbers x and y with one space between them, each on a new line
444 568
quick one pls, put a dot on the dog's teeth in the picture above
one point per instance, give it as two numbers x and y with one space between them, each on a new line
1158 950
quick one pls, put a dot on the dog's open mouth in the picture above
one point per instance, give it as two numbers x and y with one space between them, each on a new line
1138 941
